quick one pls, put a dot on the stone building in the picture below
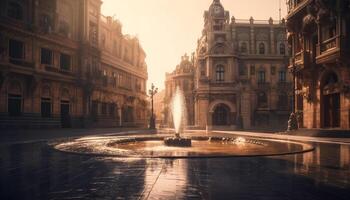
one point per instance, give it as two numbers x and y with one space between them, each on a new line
183 78
319 36
241 74
63 64
158 99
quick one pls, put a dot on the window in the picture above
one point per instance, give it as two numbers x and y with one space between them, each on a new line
45 23
65 62
221 115
262 100
261 48
261 77
273 70
14 105
252 70
16 49
242 70
282 76
46 56
15 11
94 109
105 79
64 28
244 47
282 49
283 102
112 109
93 34
115 81
220 73
46 107
104 109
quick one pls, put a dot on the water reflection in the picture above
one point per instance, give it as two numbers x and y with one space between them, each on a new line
329 163
35 171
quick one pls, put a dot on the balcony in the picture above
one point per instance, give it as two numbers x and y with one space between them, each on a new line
301 60
284 86
295 6
263 85
21 62
329 50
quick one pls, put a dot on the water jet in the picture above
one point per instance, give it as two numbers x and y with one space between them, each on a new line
178 110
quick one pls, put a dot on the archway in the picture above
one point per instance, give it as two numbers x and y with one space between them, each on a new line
221 115
330 101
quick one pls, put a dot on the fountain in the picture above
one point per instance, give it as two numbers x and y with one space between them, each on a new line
179 144
178 110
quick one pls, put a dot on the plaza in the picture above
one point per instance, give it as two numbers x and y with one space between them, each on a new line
32 169
258 109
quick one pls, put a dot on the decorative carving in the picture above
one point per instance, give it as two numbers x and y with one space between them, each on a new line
243 36
262 37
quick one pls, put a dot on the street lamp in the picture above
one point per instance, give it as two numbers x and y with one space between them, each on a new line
152 92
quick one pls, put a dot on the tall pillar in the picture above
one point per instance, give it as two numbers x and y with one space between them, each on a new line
120 116
246 109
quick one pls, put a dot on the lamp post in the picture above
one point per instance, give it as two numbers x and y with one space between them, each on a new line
152 92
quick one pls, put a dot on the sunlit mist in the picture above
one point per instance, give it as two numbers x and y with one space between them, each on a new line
167 29
177 110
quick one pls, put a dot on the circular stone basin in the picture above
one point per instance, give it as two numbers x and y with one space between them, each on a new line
202 147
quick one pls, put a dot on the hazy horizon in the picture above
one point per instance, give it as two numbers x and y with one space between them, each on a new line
168 29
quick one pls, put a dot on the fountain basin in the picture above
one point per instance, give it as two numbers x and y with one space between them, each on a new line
178 142
201 147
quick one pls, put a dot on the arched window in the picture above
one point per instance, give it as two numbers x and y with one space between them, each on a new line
14 99
15 11
220 73
46 102
261 48
244 48
282 49
261 76
262 100
221 115
282 77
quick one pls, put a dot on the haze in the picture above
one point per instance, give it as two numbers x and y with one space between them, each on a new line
168 29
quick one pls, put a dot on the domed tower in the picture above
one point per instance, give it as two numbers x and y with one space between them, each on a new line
216 70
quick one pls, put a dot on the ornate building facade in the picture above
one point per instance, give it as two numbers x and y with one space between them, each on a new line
239 77
319 35
63 64
183 78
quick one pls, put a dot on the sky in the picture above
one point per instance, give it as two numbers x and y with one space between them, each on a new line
167 29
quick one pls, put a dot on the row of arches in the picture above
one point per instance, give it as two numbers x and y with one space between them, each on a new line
15 101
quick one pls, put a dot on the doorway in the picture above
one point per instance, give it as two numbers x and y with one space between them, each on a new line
221 115
65 116
331 107
331 101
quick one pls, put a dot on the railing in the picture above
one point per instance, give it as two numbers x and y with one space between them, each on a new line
254 21
329 50
50 68
301 59
294 4
263 85
21 62
285 86
328 44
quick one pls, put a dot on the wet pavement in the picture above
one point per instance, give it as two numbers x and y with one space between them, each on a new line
33 170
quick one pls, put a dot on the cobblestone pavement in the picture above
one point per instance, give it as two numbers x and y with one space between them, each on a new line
33 170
